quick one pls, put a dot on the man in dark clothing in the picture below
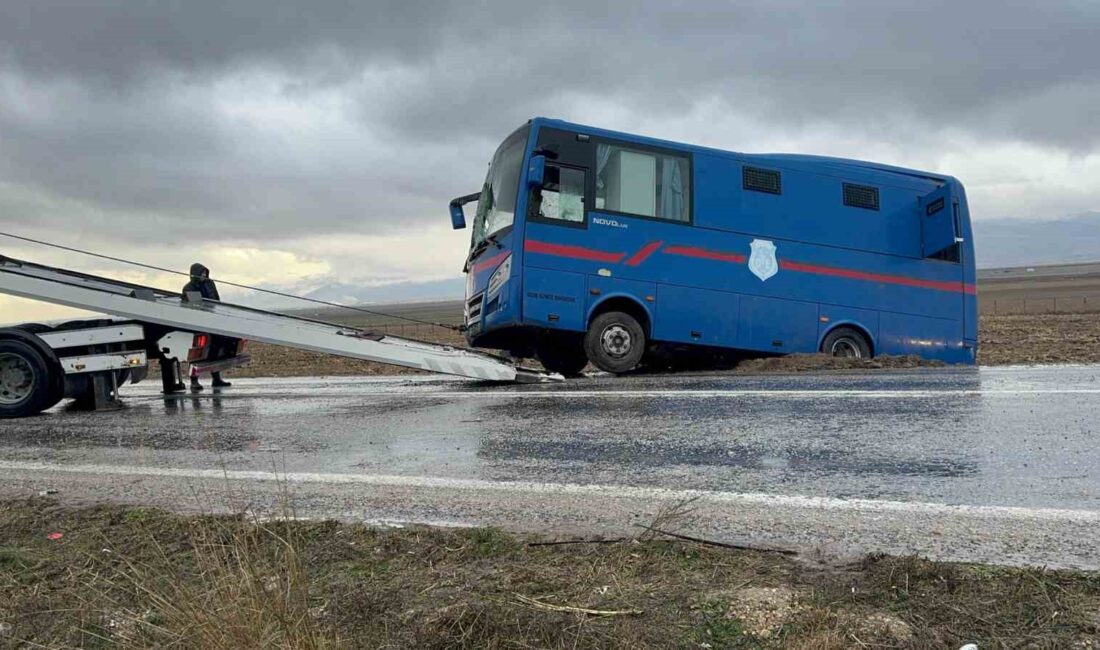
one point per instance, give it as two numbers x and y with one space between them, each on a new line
202 284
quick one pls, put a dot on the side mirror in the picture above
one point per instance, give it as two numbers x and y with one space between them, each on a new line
458 219
536 171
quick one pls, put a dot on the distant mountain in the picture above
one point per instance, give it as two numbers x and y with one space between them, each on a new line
1020 242
332 290
352 294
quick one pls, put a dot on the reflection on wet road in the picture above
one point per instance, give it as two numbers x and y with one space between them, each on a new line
1018 437
990 437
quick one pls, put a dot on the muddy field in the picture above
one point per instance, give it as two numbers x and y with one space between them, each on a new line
1068 289
1039 338
275 361
1005 339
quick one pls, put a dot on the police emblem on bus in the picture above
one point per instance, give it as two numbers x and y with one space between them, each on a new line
762 260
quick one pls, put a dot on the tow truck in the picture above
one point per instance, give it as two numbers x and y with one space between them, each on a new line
88 360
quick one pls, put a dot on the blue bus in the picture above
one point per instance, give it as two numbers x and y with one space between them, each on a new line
596 246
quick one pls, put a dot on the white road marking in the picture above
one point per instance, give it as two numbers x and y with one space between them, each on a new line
573 489
634 394
750 393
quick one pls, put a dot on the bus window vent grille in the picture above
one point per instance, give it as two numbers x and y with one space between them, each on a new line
760 180
861 196
934 206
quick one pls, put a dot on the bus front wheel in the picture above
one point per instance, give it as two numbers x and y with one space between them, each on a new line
615 342
562 353
846 342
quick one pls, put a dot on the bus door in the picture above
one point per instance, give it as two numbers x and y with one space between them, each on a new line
940 227
555 234
941 237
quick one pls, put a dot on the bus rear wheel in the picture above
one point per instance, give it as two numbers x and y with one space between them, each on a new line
846 342
25 386
562 353
615 342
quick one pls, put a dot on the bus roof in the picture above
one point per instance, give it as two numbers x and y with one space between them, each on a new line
806 161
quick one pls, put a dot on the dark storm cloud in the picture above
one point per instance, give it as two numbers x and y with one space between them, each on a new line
938 61
130 107
1019 70
119 41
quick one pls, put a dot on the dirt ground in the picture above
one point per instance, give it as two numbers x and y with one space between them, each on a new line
137 578
275 361
1039 338
1003 339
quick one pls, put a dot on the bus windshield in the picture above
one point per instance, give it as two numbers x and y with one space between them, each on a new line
497 205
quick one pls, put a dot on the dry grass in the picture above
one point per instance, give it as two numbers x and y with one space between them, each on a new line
142 578
136 578
248 588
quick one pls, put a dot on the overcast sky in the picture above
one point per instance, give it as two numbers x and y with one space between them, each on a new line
295 144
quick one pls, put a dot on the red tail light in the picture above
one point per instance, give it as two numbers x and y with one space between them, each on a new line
199 347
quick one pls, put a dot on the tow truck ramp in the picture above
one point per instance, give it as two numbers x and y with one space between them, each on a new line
193 313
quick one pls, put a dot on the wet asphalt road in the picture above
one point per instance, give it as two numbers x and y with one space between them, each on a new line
996 464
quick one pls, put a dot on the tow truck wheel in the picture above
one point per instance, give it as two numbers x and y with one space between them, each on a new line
846 342
562 353
615 342
25 387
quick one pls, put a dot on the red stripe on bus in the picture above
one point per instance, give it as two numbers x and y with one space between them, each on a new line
492 261
702 253
579 252
643 254
874 277
575 252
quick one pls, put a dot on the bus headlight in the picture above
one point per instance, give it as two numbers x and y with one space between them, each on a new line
500 276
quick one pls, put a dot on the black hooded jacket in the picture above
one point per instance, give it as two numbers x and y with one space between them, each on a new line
201 282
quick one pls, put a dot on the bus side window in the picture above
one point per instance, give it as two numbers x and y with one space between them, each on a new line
643 183
562 195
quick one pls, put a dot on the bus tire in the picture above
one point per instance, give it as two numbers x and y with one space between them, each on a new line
615 342
846 342
25 381
562 353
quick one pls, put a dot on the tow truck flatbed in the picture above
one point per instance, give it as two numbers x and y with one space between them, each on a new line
192 313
